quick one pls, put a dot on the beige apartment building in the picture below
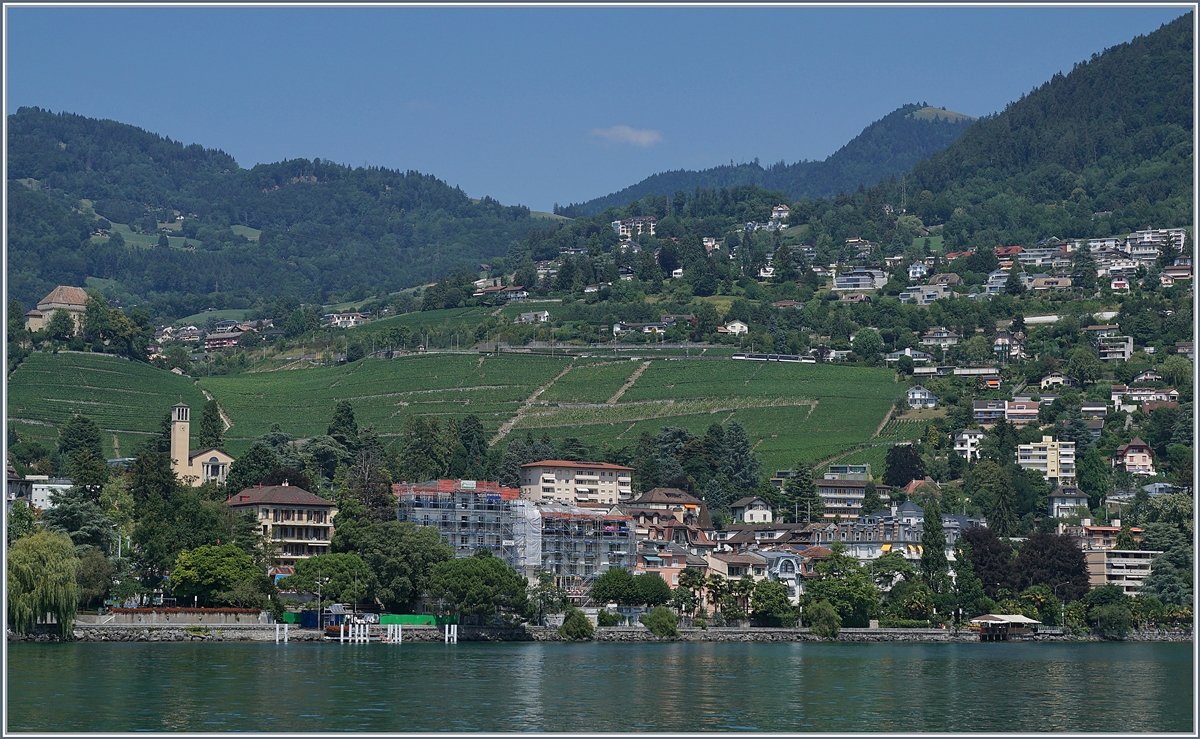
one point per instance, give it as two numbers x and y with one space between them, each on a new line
1123 568
559 481
299 523
1054 459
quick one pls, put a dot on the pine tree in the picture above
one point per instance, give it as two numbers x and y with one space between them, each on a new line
871 499
738 463
800 498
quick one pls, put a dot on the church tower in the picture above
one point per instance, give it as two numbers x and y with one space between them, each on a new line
181 439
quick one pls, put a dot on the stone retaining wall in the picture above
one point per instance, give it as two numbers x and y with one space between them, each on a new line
256 632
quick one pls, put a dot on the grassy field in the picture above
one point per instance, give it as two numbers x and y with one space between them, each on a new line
935 243
790 411
128 400
463 320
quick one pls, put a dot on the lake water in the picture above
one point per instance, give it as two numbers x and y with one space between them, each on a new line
307 687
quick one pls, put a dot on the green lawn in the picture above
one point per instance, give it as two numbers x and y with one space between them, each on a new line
935 243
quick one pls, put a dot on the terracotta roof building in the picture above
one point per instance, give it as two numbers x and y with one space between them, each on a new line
295 520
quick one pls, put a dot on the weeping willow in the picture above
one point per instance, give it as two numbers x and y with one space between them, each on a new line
41 582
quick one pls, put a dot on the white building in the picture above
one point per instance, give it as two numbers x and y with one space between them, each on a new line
559 481
967 443
919 397
45 486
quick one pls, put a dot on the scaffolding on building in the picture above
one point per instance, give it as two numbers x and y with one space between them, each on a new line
579 544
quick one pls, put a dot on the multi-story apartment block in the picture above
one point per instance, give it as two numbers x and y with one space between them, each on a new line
299 523
1124 568
636 226
939 337
1055 460
472 515
924 294
576 482
966 444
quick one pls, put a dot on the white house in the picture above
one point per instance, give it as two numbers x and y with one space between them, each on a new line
967 443
919 397
917 270
737 328
540 316
780 212
750 510
1065 501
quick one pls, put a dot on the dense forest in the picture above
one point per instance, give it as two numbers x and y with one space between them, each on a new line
889 146
320 222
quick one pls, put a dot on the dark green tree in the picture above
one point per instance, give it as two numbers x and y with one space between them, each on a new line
652 590
902 465
212 428
615 585
77 434
480 585
251 468
934 566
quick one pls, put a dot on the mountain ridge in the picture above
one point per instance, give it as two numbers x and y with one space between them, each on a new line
886 147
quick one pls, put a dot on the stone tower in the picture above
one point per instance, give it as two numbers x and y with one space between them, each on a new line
181 438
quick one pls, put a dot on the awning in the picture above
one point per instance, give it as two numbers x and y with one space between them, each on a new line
651 558
886 548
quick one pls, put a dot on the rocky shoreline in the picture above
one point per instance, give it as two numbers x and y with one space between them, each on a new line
267 632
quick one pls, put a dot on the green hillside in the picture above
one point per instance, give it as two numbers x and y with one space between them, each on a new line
128 400
311 229
775 402
791 411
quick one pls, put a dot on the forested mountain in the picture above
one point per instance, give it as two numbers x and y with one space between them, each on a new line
326 229
1103 150
889 146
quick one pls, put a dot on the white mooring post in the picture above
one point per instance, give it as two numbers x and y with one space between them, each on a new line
341 633
285 633
276 633
399 633
456 633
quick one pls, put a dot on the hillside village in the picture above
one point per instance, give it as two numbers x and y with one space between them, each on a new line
962 394
1020 446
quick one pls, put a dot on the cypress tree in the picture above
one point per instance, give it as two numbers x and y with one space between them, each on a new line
934 565
212 428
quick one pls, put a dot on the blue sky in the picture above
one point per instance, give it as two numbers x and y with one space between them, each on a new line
539 105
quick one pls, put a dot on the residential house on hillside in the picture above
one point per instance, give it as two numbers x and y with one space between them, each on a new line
918 357
967 442
1137 458
917 270
1066 501
752 509
919 397
924 294
1055 379
636 226
1021 412
780 212
948 279
860 278
734 328
540 316
939 336
989 411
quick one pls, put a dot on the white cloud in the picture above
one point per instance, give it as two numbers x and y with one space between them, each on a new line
627 135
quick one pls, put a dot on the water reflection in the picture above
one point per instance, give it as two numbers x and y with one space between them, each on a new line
304 687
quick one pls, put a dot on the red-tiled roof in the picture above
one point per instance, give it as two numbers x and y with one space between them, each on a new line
66 295
277 495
